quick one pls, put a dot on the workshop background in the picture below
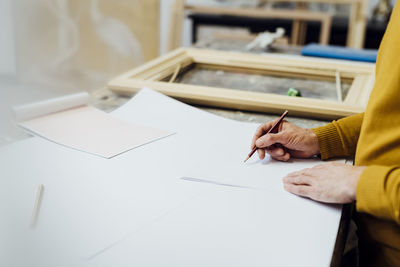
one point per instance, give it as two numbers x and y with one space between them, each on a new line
50 48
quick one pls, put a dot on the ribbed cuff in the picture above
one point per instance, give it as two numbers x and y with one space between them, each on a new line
329 141
370 192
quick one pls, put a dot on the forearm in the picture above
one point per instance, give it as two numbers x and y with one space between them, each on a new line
339 138
378 192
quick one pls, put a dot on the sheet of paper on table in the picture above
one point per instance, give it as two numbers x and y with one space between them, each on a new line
71 122
136 210
213 228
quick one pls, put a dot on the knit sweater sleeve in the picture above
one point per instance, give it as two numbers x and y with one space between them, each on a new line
339 138
378 192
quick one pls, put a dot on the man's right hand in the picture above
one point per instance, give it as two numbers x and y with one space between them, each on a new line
297 142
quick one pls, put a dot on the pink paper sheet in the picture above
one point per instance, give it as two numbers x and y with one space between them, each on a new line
93 131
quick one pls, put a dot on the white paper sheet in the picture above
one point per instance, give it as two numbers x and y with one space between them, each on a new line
135 209
232 227
68 121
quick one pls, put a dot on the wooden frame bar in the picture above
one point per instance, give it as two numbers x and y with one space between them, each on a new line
155 74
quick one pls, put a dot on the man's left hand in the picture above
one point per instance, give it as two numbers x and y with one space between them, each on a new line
330 182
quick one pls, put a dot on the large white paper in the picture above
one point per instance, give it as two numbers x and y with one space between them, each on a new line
232 227
136 209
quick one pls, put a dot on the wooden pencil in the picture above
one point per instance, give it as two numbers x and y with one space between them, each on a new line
271 130
36 207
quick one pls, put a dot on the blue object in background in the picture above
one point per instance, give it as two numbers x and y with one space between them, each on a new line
339 52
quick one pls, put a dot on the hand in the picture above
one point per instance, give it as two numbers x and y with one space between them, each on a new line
329 182
298 142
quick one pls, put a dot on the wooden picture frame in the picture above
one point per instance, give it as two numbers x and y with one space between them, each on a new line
160 73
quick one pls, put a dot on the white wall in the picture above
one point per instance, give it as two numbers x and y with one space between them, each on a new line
165 11
7 52
165 7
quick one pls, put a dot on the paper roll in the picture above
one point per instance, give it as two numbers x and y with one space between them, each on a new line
37 109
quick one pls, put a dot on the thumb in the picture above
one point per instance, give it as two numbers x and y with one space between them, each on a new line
270 139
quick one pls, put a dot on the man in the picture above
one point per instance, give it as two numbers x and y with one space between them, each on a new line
373 137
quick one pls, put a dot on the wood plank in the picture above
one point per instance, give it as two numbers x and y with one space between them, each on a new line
267 60
336 2
178 54
325 32
242 100
355 90
304 15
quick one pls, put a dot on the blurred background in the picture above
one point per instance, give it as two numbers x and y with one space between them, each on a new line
55 47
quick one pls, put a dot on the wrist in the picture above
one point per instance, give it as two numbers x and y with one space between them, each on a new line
313 142
355 177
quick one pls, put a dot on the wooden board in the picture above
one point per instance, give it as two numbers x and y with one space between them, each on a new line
155 75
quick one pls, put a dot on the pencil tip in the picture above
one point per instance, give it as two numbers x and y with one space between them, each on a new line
246 159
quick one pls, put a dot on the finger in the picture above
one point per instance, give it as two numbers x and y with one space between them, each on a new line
300 190
261 153
297 173
284 157
298 179
305 172
320 166
300 154
275 152
334 163
270 139
280 127
261 130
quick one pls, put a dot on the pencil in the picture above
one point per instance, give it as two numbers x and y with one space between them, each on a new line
36 208
271 130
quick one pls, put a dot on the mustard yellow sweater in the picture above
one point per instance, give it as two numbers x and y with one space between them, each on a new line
374 138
